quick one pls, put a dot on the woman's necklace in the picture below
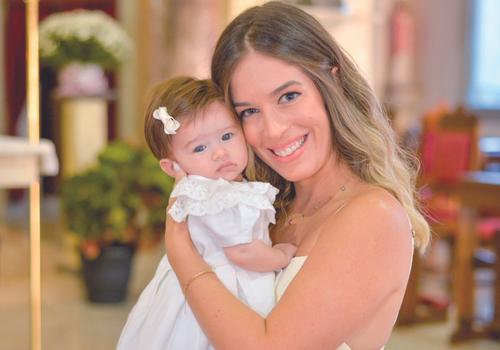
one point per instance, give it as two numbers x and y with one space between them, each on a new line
297 217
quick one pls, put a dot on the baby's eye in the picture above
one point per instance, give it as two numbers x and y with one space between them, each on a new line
227 136
289 97
199 148
247 112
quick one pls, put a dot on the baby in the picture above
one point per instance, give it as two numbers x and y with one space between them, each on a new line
191 131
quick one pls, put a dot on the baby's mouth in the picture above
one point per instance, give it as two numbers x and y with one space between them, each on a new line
226 166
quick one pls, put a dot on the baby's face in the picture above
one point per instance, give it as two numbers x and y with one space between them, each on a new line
212 146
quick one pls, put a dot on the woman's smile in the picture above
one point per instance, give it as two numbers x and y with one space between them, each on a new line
290 151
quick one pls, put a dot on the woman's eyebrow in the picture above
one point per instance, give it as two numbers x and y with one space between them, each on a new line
284 86
274 92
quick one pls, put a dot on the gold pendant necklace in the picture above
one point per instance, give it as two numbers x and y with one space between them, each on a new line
297 217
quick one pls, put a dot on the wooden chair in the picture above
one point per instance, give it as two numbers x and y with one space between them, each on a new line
448 148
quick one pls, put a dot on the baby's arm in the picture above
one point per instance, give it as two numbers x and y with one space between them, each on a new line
259 257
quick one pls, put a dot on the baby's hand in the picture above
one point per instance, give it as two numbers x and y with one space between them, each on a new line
287 248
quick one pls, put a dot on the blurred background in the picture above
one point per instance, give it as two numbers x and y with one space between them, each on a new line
434 65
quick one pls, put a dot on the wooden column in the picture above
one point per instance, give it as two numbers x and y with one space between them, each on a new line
33 110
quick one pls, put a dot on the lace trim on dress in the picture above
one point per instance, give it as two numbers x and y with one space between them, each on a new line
199 196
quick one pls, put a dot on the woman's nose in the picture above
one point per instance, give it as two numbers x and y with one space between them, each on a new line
274 124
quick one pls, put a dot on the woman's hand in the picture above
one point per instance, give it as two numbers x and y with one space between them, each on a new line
173 228
181 252
177 172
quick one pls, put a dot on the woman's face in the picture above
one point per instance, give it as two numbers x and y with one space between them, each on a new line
283 116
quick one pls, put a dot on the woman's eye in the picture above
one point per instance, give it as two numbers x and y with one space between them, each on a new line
289 97
247 112
199 148
227 136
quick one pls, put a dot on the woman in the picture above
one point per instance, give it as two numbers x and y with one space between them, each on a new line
346 195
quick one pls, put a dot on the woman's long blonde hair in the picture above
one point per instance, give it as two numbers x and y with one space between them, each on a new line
360 130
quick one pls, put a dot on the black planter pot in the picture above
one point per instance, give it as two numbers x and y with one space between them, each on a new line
106 277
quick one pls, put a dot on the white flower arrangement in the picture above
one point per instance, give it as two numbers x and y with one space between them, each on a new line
83 36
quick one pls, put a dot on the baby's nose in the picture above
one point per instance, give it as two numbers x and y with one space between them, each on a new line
219 153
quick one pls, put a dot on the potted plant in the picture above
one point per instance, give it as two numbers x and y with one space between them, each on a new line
111 209
81 44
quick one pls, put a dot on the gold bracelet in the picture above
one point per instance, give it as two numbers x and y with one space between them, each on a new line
195 276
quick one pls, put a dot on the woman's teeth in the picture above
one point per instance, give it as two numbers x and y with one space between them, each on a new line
284 152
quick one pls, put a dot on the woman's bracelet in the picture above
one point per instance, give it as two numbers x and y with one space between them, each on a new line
195 276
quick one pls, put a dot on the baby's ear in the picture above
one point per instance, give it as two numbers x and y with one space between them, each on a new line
167 165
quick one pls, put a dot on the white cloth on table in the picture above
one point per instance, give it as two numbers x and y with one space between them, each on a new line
219 214
20 146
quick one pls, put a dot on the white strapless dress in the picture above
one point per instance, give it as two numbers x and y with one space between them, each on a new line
287 275
219 214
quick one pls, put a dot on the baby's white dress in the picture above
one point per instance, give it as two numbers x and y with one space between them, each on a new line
219 214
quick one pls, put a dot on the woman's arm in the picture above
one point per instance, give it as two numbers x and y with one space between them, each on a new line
258 256
355 267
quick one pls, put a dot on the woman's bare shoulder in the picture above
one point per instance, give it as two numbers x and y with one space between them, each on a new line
361 262
372 224
372 208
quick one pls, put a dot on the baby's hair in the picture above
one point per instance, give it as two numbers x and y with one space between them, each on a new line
183 97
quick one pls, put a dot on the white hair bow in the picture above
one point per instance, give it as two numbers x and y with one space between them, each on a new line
170 125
